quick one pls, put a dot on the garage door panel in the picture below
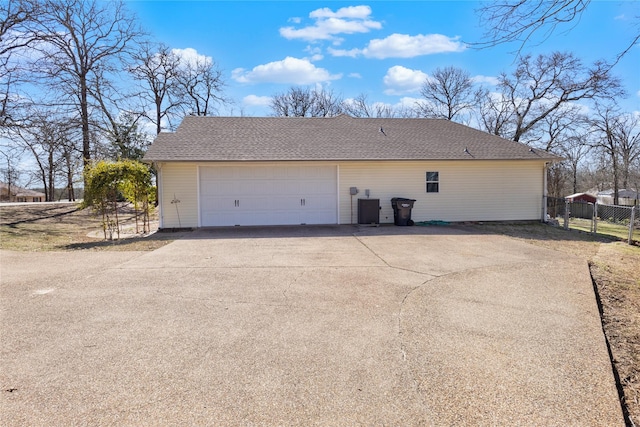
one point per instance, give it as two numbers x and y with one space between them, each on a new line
268 195
229 173
220 219
248 187
317 216
219 188
224 211
315 187
319 202
288 187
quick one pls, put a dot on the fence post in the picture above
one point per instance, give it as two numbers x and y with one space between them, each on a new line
595 217
566 214
631 223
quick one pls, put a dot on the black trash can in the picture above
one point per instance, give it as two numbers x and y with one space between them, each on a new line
402 210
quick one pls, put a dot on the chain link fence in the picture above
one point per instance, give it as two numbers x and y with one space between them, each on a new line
622 222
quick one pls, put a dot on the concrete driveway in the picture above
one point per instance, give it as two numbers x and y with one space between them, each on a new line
305 326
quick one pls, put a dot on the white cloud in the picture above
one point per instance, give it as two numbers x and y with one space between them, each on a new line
191 56
256 101
316 53
328 24
344 52
405 46
355 75
401 80
289 70
638 94
353 12
407 102
493 81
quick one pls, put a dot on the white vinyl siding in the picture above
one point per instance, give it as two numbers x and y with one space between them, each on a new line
468 190
479 190
179 181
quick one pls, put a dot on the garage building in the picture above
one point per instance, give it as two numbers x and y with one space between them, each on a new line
236 171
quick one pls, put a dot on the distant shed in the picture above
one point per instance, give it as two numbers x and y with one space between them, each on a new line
581 197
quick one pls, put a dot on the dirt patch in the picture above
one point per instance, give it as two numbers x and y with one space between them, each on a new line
616 271
64 226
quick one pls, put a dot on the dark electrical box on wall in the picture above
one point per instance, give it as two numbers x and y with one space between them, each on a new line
368 211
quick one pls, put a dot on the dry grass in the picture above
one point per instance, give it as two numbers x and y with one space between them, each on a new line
614 230
62 227
616 271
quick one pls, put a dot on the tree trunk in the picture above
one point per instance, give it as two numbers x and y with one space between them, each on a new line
84 117
50 178
158 116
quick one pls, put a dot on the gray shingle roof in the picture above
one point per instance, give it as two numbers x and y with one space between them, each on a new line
337 138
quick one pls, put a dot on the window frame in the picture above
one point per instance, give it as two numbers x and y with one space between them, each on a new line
431 183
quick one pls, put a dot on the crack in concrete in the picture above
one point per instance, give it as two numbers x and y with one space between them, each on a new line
402 343
289 285
385 261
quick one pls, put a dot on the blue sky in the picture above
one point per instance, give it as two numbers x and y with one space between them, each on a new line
384 49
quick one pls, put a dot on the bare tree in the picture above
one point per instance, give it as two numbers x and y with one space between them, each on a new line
71 164
16 34
627 134
296 102
10 173
557 178
575 151
77 38
495 113
201 85
326 103
557 128
361 107
518 20
447 93
119 124
157 70
14 28
605 138
541 86
306 102
45 137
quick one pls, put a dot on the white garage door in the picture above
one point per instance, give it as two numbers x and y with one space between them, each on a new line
268 195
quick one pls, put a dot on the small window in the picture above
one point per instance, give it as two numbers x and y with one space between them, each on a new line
433 182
